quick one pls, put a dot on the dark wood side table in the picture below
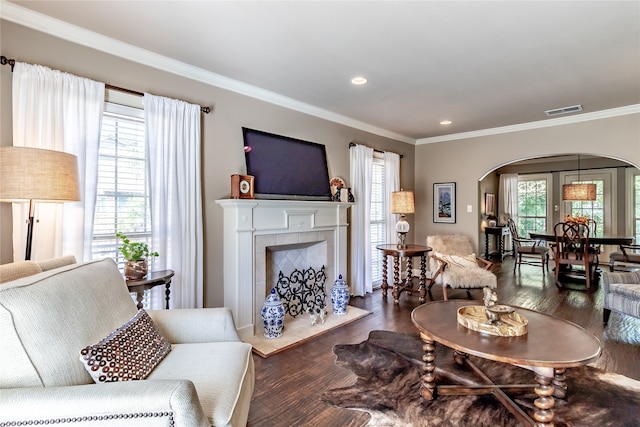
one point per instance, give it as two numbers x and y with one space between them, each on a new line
500 232
399 286
153 279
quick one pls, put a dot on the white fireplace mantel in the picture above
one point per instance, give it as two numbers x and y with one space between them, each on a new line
290 222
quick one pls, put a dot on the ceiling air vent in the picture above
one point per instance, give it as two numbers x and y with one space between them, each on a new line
564 110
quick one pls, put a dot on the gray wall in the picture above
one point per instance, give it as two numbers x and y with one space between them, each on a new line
468 161
221 129
465 161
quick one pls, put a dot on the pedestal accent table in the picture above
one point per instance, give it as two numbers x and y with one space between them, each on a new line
398 253
500 232
153 278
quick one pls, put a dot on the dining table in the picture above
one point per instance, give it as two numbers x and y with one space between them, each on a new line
594 241
605 239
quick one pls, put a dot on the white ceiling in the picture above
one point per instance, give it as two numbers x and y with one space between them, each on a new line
483 65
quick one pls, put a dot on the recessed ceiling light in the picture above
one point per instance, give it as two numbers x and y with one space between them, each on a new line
359 80
446 122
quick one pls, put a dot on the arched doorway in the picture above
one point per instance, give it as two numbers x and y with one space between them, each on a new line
617 180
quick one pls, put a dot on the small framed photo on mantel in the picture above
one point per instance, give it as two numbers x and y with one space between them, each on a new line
444 202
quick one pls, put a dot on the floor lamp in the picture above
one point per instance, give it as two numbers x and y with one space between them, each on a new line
37 175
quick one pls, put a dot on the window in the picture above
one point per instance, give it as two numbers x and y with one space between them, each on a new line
636 205
600 210
633 204
122 199
378 220
534 203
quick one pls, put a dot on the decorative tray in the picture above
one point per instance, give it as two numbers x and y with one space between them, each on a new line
504 322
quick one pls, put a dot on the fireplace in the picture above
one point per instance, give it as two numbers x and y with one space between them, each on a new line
298 272
259 234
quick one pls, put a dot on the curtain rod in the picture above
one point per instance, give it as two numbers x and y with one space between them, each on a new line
563 170
12 62
4 61
205 110
353 144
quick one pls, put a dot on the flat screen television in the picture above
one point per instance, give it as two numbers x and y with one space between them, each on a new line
286 168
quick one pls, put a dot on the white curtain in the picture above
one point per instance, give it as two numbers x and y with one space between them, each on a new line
508 202
173 141
361 165
58 111
391 184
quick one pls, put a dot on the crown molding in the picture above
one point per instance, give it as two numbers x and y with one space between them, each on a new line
602 114
55 27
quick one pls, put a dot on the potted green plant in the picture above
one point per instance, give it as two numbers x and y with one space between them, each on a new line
136 255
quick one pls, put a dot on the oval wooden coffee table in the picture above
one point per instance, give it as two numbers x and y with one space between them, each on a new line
550 347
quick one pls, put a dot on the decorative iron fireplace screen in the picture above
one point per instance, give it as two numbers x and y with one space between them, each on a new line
302 291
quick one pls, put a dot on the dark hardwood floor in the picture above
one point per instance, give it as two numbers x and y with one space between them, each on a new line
289 384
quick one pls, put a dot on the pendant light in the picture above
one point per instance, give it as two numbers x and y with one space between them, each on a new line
578 192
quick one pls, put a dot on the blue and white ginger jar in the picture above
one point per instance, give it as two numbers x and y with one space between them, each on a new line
273 315
340 296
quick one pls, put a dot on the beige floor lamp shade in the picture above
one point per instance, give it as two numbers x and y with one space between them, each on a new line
37 175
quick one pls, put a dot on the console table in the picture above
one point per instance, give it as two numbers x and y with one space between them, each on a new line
153 279
408 252
500 232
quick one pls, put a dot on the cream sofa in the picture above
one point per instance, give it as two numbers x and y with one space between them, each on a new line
46 319
20 269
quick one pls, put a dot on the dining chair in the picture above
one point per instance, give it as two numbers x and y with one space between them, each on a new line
592 225
528 251
572 248
628 257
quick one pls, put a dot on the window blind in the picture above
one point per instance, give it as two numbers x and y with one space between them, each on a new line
377 220
122 202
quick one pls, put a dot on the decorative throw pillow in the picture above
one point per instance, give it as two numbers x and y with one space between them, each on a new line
128 353
465 261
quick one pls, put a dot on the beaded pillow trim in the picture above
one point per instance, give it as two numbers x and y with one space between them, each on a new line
128 353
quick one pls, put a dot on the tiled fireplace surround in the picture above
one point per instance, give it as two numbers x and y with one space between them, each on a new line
262 237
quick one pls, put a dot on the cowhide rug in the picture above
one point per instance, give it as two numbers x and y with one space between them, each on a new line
388 367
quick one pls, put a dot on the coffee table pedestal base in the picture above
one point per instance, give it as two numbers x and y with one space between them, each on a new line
549 383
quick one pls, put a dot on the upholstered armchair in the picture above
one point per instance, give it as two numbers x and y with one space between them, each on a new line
58 325
20 269
454 264
620 293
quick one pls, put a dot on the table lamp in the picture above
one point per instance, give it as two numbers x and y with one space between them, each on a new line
402 203
34 174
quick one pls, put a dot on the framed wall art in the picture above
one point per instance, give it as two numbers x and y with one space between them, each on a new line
489 204
444 202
